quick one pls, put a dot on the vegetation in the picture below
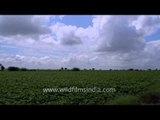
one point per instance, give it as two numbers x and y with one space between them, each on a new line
2 68
23 69
75 69
132 87
12 68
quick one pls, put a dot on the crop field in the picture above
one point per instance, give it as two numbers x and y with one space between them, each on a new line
130 87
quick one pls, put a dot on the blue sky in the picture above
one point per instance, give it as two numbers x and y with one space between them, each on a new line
75 20
78 20
8 48
152 37
80 41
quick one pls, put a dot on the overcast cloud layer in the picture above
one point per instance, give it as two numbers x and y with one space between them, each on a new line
110 42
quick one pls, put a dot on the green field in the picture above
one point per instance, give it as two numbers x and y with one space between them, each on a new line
132 87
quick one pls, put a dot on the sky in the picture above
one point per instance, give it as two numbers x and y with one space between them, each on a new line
84 41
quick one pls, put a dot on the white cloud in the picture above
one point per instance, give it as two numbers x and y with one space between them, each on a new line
111 42
22 25
61 17
31 61
116 34
66 34
147 24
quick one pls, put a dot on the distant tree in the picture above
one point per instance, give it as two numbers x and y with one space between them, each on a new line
65 68
110 69
131 69
149 69
2 67
23 69
32 69
93 68
75 69
61 69
12 68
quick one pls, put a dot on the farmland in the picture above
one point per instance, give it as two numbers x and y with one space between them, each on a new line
132 87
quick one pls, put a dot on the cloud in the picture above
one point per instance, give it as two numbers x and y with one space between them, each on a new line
115 42
61 17
117 35
70 39
121 41
29 26
47 62
66 34
147 24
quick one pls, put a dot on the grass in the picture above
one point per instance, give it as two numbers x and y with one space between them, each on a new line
26 87
125 100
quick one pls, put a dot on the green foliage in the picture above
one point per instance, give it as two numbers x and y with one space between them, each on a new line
23 69
2 68
150 97
26 88
75 69
125 100
12 68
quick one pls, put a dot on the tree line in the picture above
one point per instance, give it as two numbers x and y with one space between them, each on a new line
14 68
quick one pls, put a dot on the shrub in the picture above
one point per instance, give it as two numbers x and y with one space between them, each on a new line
2 67
75 69
151 97
12 68
136 70
62 68
23 69
131 69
